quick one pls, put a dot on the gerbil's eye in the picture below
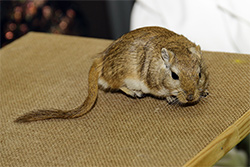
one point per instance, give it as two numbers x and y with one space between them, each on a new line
174 76
200 75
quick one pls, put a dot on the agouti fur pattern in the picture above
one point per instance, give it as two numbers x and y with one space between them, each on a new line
149 60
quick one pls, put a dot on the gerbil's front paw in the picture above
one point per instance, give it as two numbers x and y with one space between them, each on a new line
171 99
205 93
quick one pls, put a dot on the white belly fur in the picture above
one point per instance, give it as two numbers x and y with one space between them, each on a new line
134 84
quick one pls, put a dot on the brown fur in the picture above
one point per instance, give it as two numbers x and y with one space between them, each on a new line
142 61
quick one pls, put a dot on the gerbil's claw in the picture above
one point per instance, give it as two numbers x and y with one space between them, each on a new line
171 99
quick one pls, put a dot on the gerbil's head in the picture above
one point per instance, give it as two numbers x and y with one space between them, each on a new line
187 74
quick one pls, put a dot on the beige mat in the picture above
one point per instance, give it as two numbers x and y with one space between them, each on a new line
50 71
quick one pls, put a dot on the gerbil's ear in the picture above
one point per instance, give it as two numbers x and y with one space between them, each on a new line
196 50
167 55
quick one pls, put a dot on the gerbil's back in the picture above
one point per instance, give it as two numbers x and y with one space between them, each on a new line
124 56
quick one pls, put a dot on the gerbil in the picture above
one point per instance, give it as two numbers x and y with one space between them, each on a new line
149 60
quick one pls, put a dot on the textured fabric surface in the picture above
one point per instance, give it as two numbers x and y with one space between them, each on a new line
50 71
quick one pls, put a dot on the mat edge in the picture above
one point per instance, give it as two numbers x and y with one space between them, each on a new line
223 143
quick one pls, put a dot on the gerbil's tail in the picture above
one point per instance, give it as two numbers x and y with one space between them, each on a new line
74 113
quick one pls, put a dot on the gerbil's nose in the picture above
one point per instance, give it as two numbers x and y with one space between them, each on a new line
190 97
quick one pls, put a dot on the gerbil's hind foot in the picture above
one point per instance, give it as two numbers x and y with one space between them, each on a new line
139 93
132 93
128 91
172 99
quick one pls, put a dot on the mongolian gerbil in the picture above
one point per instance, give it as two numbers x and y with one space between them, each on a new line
150 60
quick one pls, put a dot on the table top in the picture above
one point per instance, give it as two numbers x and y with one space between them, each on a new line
44 71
